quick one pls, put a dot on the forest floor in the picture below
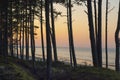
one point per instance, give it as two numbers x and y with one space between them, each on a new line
16 69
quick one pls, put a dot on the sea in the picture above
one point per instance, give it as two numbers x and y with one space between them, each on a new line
83 55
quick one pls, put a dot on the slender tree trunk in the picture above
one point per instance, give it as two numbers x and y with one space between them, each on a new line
96 25
48 41
42 39
71 35
106 28
21 39
11 32
5 6
92 36
0 29
99 35
20 30
53 33
26 33
4 13
20 43
23 34
17 30
95 14
32 8
117 59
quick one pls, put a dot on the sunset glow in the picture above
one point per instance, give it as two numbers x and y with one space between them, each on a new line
80 26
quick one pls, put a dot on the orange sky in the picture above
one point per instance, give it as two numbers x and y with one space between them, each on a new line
80 26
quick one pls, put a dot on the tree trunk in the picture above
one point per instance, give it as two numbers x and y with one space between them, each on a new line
22 31
106 28
91 32
32 8
71 35
5 25
20 43
42 39
17 30
117 63
23 34
26 33
99 35
53 33
95 14
0 29
48 41
11 27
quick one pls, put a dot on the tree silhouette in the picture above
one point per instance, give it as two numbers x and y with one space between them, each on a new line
53 32
91 32
69 33
5 27
10 23
27 30
117 58
32 9
72 52
39 13
99 35
17 28
106 43
41 21
17 31
95 14
48 41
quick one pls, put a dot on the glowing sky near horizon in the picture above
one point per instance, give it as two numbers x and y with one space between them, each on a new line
80 26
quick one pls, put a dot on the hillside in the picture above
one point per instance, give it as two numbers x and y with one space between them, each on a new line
16 69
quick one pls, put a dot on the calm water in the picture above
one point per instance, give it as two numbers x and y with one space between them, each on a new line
83 55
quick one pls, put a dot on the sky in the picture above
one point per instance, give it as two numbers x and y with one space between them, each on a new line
80 26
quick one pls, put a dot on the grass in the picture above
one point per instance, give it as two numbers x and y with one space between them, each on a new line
11 71
22 70
88 73
24 73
